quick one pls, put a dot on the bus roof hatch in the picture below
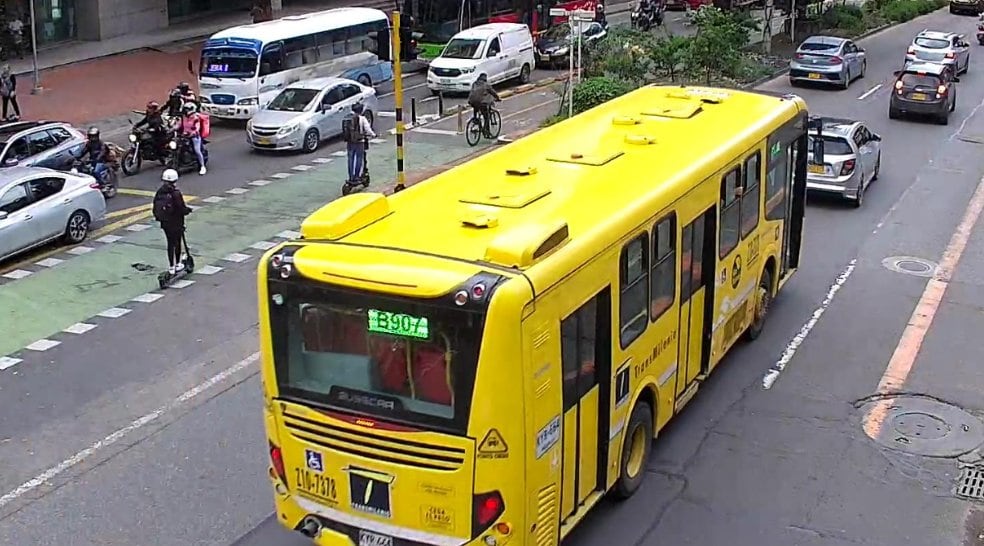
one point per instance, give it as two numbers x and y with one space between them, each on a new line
523 245
344 216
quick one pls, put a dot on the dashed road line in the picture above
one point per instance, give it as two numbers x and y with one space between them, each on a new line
42 345
113 312
82 249
237 257
289 234
237 191
280 176
49 262
18 274
183 283
149 297
260 183
213 199
870 92
208 270
8 362
79 328
263 245
109 239
136 228
302 168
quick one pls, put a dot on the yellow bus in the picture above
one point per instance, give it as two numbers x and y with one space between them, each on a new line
479 359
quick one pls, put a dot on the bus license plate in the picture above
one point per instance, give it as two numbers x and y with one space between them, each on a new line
814 76
918 96
815 169
368 538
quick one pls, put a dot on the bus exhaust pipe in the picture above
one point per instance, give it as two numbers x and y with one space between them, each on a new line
310 527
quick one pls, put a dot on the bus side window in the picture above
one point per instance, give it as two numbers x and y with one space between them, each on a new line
663 289
633 289
578 336
751 197
775 184
338 38
356 39
299 52
730 213
324 41
271 61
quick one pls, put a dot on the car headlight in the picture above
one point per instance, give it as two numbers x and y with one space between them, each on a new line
467 70
287 129
173 145
249 101
133 137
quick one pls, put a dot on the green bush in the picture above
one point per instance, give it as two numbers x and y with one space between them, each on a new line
899 11
623 55
844 17
717 46
598 90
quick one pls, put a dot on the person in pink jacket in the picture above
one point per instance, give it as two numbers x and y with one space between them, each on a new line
191 127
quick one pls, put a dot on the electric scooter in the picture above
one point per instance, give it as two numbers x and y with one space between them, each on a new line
349 186
166 278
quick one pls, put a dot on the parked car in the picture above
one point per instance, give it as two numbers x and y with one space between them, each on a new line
828 59
307 113
39 144
554 47
924 89
940 47
502 51
972 7
39 205
851 159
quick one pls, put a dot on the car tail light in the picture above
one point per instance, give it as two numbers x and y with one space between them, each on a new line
836 60
277 461
847 168
486 508
898 85
95 185
911 51
949 55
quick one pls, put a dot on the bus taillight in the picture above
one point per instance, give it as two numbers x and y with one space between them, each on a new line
277 461
487 507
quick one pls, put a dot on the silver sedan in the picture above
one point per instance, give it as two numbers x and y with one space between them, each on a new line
39 205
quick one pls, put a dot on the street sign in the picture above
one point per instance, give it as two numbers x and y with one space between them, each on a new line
584 14
559 12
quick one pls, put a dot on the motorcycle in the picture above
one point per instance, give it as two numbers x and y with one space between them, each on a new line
645 20
143 147
109 186
182 156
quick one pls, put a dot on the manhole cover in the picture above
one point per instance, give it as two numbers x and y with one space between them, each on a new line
928 427
910 265
970 484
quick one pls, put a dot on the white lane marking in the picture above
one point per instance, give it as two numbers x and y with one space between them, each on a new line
80 250
322 160
114 312
115 437
237 257
138 227
260 183
289 234
280 176
237 191
338 153
263 245
213 199
387 114
109 239
149 297
79 328
208 270
405 89
302 168
8 362
18 274
43 345
430 131
870 92
183 283
773 374
378 141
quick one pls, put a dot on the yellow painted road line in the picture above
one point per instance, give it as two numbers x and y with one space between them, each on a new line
128 211
141 193
105 230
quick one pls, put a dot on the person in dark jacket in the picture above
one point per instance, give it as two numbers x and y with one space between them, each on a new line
481 97
170 210
154 122
98 154
8 92
173 104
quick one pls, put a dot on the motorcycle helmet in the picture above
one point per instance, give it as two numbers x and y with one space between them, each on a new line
189 108
170 175
153 107
183 87
93 133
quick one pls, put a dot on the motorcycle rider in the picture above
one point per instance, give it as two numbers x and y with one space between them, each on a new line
187 95
481 97
600 15
647 9
98 152
191 127
154 121
173 104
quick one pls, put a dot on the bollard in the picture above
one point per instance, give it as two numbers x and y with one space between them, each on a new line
413 111
461 120
440 104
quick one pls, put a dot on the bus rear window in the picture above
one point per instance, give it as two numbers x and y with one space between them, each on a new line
383 358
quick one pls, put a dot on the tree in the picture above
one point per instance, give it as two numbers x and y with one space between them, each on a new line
624 55
595 91
720 38
669 53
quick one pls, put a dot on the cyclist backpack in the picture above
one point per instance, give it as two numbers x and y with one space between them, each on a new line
204 125
352 129
163 205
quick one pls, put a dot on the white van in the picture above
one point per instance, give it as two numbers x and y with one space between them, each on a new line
503 51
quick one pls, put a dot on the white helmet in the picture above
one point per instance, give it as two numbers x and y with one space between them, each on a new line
170 175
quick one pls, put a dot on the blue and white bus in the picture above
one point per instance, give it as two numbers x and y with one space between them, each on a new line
246 66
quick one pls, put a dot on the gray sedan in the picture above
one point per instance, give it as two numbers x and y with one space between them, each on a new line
828 59
851 159
39 205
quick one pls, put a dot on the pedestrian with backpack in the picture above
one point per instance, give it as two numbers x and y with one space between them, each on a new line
356 130
170 210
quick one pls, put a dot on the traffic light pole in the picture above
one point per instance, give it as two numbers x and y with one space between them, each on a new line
401 176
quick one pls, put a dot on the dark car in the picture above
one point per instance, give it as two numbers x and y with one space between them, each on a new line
554 46
48 144
924 89
972 7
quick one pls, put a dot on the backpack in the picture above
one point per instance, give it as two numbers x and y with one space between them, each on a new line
352 129
204 125
163 205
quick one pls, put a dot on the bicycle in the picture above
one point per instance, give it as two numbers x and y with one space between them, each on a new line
475 127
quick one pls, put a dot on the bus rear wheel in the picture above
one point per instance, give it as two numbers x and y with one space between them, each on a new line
763 301
635 451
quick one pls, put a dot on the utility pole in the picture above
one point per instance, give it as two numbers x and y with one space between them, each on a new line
34 50
767 26
401 177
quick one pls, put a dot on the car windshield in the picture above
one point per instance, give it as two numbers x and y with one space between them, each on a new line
293 100
461 48
919 80
833 145
558 33
399 359
228 63
932 43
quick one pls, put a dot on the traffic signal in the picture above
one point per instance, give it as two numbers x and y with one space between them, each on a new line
408 46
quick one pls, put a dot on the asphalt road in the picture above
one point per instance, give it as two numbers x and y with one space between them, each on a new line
744 464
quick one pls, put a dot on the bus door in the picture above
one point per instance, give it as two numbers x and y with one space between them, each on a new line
785 198
697 248
586 365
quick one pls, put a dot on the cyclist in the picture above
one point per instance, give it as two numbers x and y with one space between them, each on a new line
480 98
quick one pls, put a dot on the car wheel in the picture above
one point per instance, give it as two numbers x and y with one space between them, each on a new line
311 141
864 68
847 79
524 74
793 83
365 80
77 228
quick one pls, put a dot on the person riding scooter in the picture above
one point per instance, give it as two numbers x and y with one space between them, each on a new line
98 153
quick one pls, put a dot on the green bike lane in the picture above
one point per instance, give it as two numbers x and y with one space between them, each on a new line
44 304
